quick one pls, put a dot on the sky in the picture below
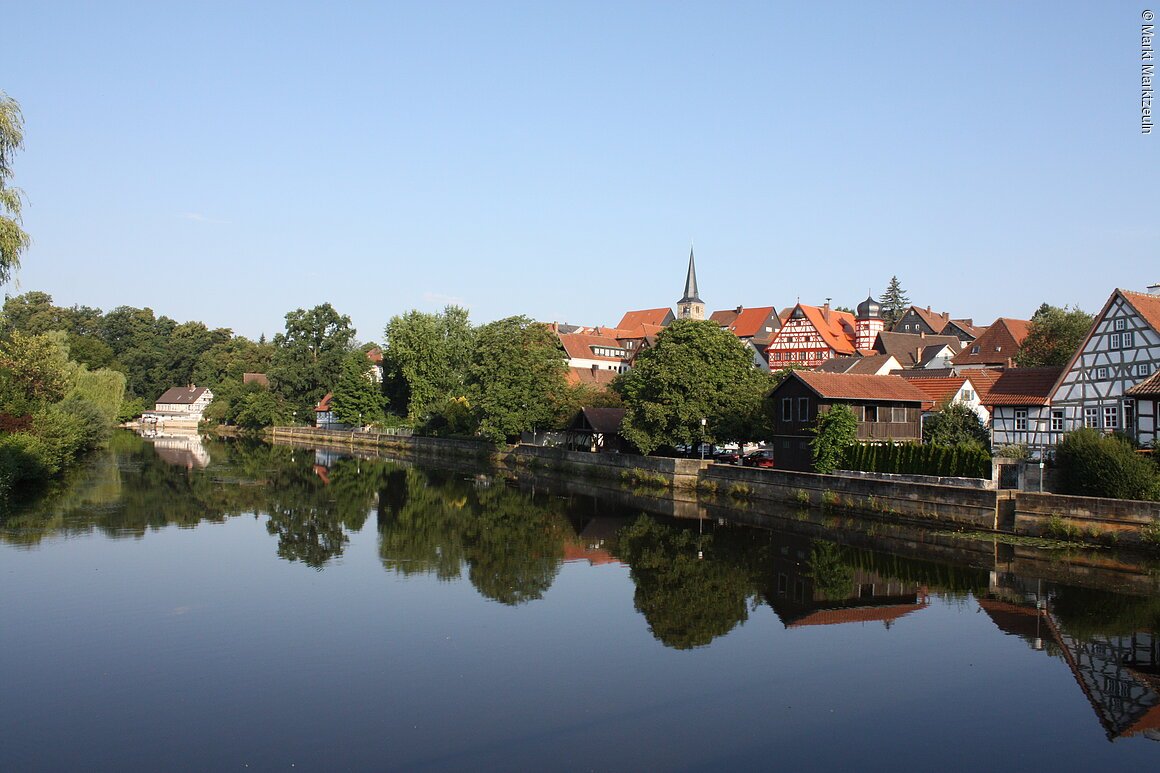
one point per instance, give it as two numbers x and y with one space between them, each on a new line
229 162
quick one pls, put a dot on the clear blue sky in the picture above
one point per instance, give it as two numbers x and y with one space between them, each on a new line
229 162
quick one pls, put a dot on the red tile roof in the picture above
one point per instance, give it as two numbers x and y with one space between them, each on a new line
1149 386
1000 343
850 386
1147 305
835 327
634 319
941 390
579 346
599 378
724 318
1023 386
868 364
324 403
748 324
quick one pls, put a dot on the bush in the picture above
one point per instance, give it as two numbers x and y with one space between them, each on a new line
1096 465
22 459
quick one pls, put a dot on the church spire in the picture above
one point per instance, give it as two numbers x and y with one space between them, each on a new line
691 306
691 282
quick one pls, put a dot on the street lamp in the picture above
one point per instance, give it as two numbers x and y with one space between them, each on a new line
703 423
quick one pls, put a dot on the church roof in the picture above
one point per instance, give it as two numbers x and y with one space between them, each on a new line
691 283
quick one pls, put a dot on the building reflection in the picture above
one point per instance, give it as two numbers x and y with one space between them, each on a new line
1119 674
179 449
812 585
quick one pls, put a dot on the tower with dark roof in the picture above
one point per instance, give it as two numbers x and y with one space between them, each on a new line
868 323
691 306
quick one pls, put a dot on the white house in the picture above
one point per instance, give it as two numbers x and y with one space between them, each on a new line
1122 349
179 407
1021 410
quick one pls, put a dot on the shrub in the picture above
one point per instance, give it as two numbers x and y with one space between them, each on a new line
740 491
1097 465
835 432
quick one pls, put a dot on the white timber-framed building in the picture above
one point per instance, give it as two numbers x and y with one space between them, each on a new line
1121 350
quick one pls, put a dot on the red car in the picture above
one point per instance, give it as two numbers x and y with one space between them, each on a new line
758 459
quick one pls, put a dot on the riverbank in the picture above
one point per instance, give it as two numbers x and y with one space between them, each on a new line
934 505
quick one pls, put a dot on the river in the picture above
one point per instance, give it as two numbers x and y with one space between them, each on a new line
185 605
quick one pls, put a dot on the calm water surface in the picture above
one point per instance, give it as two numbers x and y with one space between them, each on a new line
188 606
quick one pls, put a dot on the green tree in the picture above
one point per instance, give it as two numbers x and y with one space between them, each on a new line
954 424
260 408
1053 336
34 371
696 370
308 357
140 343
894 302
358 399
835 431
516 378
13 240
424 359
1096 465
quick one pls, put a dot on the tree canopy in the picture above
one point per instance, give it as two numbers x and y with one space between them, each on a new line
696 370
894 302
308 356
516 377
358 398
836 429
1054 336
13 240
954 424
424 360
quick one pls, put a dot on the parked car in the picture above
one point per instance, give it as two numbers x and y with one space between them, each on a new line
762 458
727 457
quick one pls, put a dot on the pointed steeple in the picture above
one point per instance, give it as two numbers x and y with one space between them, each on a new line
691 306
691 282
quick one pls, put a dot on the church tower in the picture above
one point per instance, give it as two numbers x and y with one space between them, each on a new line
691 306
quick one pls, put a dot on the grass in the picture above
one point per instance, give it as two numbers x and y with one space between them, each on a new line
644 478
740 491
801 496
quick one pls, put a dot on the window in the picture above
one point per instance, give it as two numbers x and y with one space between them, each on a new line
1143 369
1115 342
968 394
871 413
999 348
1101 373
1121 324
787 409
1128 340
1130 415
803 409
1057 421
898 415
1091 417
1020 419
1111 417
974 350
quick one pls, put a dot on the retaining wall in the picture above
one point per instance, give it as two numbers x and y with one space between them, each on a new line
1121 521
924 502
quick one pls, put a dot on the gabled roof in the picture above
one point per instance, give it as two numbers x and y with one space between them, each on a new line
940 390
931 352
604 420
1149 386
1146 305
634 319
324 403
181 395
1000 343
1023 386
748 323
725 318
965 325
598 378
936 321
579 346
981 379
869 364
908 348
835 327
850 386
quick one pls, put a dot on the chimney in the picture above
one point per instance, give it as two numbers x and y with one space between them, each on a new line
826 310
738 309
595 368
1154 289
928 309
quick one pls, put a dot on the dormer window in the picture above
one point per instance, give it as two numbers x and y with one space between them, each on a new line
974 350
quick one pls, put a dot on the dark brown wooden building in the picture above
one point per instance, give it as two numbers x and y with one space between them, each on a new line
887 407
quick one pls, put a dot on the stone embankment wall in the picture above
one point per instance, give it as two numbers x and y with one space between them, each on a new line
913 501
976 506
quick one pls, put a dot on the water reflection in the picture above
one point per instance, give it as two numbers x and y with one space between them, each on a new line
695 580
181 449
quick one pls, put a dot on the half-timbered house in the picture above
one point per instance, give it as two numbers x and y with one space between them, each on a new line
1121 349
810 336
1147 397
1021 410
887 407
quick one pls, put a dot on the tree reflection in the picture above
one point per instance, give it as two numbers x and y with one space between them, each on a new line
688 586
